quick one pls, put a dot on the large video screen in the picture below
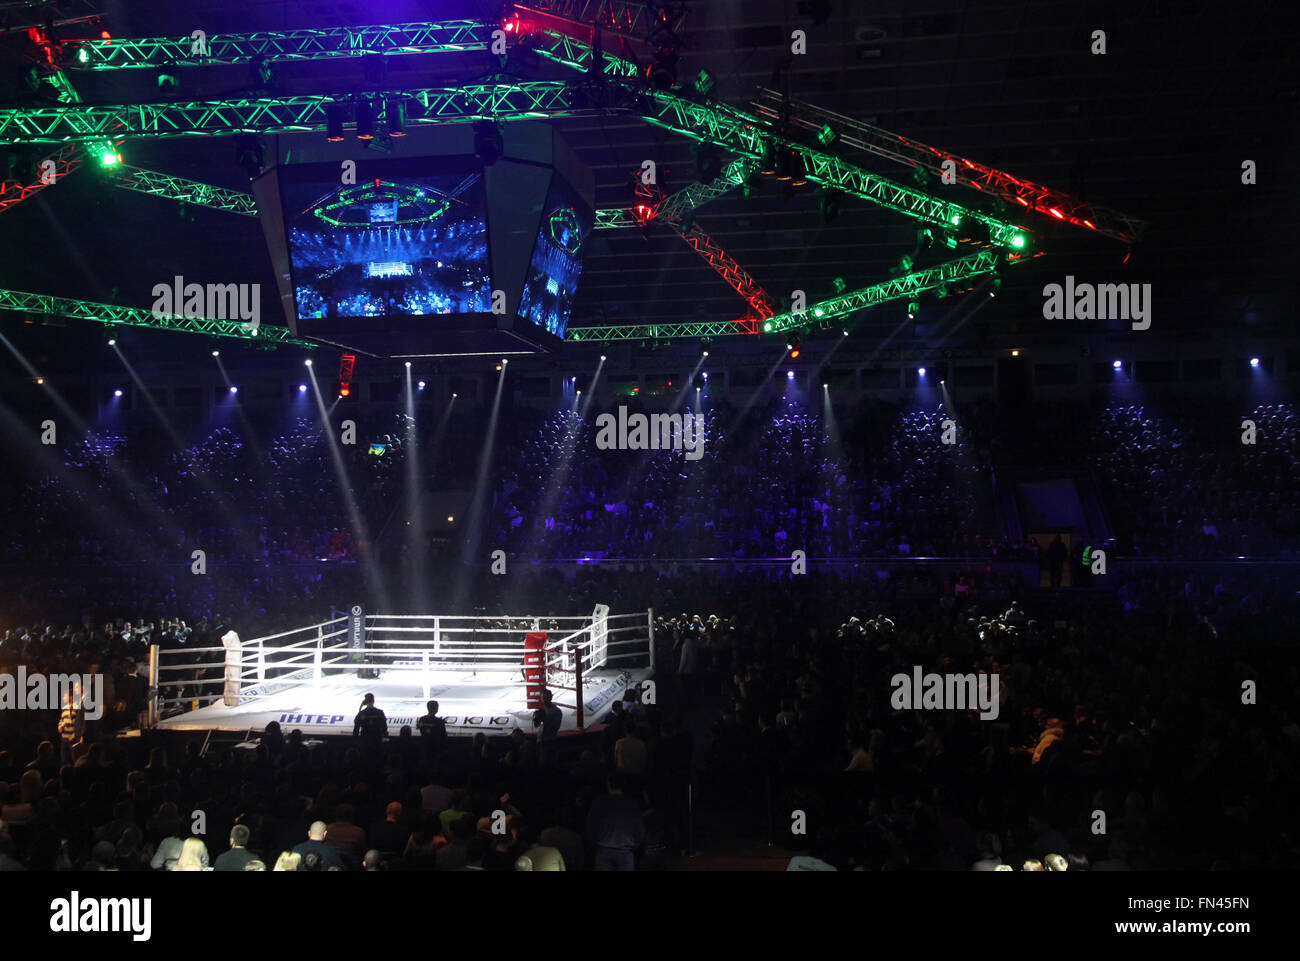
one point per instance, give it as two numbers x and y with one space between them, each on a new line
552 281
405 244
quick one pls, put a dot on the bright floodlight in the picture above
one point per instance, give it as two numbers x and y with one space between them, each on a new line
112 342
118 392
789 375
1117 364
1254 362
921 371
408 365
602 356
706 353
706 375
216 353
420 385
302 388
234 390
307 361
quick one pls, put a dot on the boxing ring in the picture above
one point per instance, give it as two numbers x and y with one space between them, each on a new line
486 673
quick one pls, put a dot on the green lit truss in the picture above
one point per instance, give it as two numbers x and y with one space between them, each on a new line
186 191
454 36
751 137
824 312
713 123
111 315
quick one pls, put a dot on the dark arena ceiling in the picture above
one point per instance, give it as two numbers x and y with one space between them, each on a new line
1156 128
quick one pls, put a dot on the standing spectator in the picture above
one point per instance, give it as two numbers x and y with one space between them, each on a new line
616 827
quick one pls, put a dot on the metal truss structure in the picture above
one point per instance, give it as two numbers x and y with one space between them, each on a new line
30 15
185 191
882 143
452 36
760 303
111 314
569 32
707 122
66 159
824 312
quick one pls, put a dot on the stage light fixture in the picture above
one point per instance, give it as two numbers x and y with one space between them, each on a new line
1015 353
602 356
708 163
112 341
767 326
260 73
420 386
39 381
118 392
1117 364
307 362
488 144
167 82
408 365
1254 362
365 120
920 371
395 115
827 135
216 353
345 391
662 74
334 122
703 83
109 157
768 162
789 375
234 389
250 155
913 308
830 205
302 388
706 353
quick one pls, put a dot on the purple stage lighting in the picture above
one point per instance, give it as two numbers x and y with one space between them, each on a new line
302 388
921 371
789 375
1117 364
1254 362
117 393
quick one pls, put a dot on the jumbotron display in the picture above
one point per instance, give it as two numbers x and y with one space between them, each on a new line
401 246
547 298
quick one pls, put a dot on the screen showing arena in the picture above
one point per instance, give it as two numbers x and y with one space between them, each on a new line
402 244
547 298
